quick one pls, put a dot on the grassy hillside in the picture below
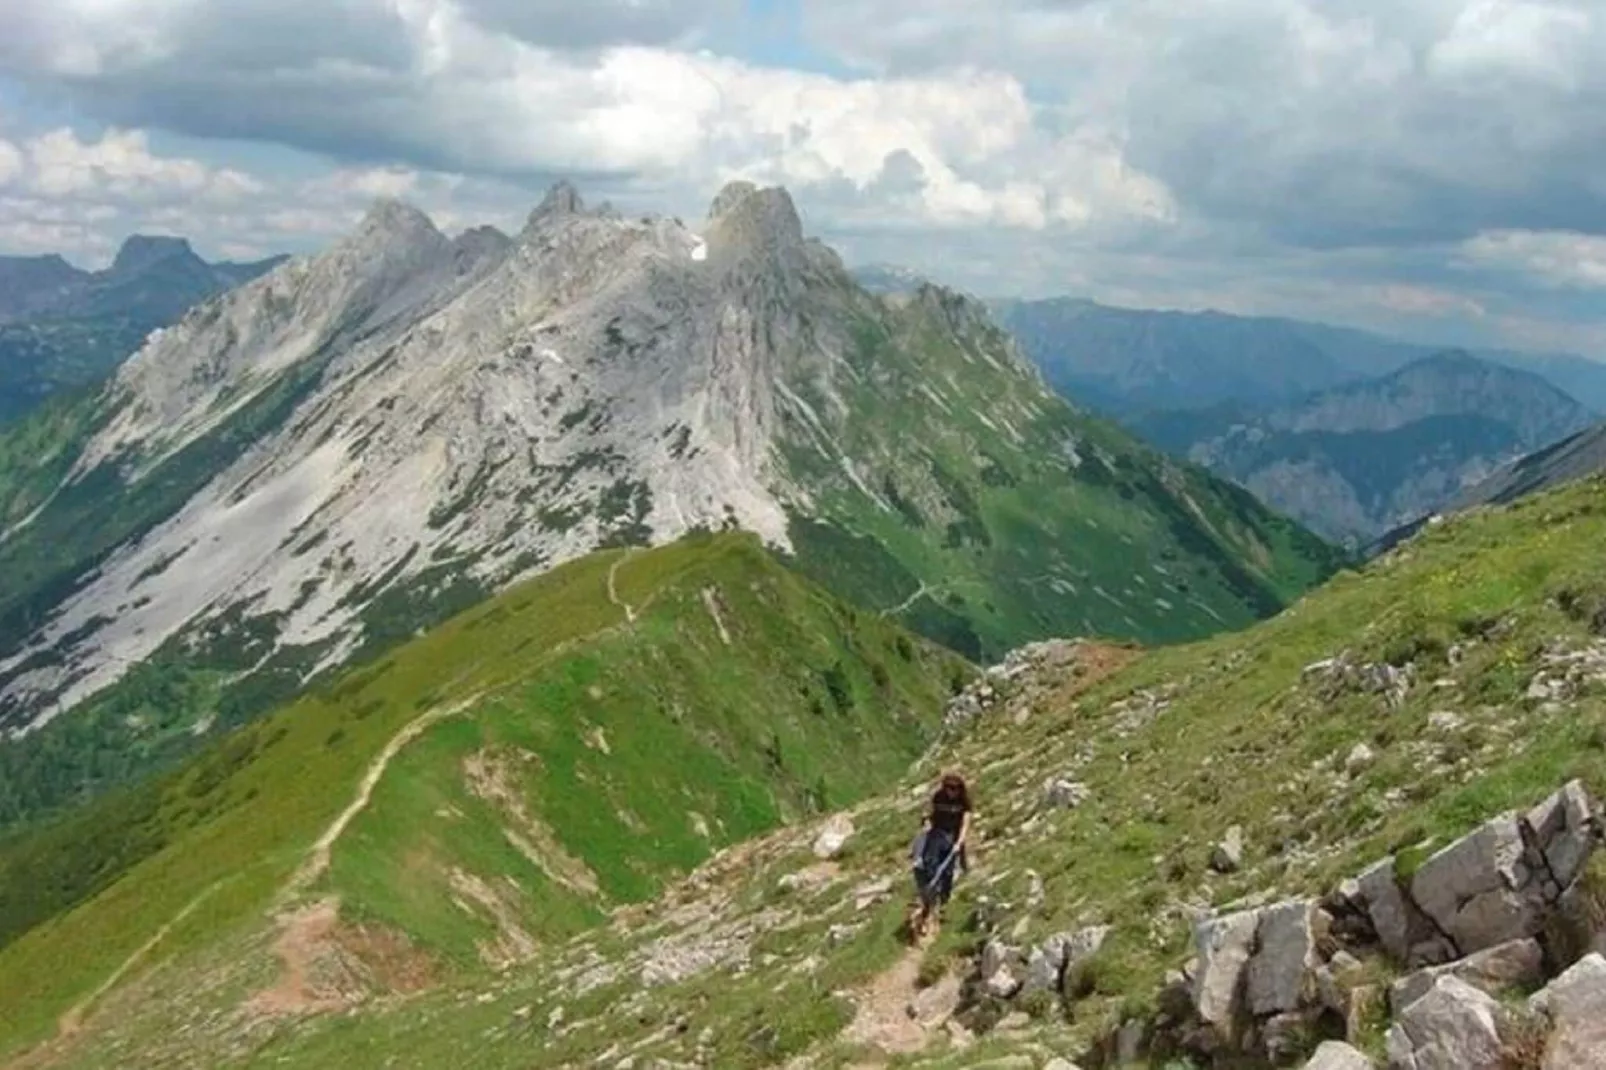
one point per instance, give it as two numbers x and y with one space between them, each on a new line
487 789
1173 748
988 512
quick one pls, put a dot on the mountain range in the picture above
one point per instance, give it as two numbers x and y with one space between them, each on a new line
328 460
1125 361
1355 461
62 327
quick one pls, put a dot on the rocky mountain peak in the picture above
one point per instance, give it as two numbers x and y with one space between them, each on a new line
562 201
744 210
755 232
390 218
140 251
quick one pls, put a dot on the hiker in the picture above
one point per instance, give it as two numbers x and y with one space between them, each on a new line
939 850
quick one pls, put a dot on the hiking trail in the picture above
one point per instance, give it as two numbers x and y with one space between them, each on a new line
895 1015
317 862
613 590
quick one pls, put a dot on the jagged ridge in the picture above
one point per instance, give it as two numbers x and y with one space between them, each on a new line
335 456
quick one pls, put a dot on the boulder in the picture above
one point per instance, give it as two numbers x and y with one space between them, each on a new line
1058 1063
1339 989
996 955
833 837
1281 976
1377 894
1336 1055
1575 1006
1577 925
1043 967
1566 831
1003 984
1453 1027
1046 964
1229 853
1360 758
1225 946
1508 965
1478 889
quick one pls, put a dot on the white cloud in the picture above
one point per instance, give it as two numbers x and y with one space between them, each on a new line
459 95
1377 154
1558 258
10 162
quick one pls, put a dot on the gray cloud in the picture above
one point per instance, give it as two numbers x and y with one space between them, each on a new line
1414 161
567 24
1324 122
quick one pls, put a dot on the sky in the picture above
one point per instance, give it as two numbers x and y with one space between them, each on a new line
1432 168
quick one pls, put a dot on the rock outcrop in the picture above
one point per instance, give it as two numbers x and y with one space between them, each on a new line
1497 911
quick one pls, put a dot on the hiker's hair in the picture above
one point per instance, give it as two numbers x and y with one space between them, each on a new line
957 783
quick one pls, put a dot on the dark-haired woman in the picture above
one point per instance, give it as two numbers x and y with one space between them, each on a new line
941 850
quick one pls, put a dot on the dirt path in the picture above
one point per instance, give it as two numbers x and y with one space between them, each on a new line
317 862
304 937
71 1021
613 591
897 1017
923 590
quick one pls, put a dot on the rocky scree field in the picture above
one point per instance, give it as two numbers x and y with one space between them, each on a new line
1243 852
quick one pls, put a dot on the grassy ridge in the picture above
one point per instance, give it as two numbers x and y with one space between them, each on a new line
1174 749
810 703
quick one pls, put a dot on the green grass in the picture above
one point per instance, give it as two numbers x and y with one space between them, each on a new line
1238 733
692 726
1243 740
1021 517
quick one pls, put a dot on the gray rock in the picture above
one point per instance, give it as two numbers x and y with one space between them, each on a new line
1453 1027
1566 830
1512 964
1360 758
1064 793
1477 890
1046 963
1229 853
1284 1036
1043 970
996 955
1377 893
1281 974
1575 1006
1225 946
1445 721
1002 984
1577 926
1337 1055
1058 1063
833 837
1130 1040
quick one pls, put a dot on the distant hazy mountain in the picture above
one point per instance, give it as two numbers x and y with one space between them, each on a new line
1576 457
1125 361
1355 461
62 327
